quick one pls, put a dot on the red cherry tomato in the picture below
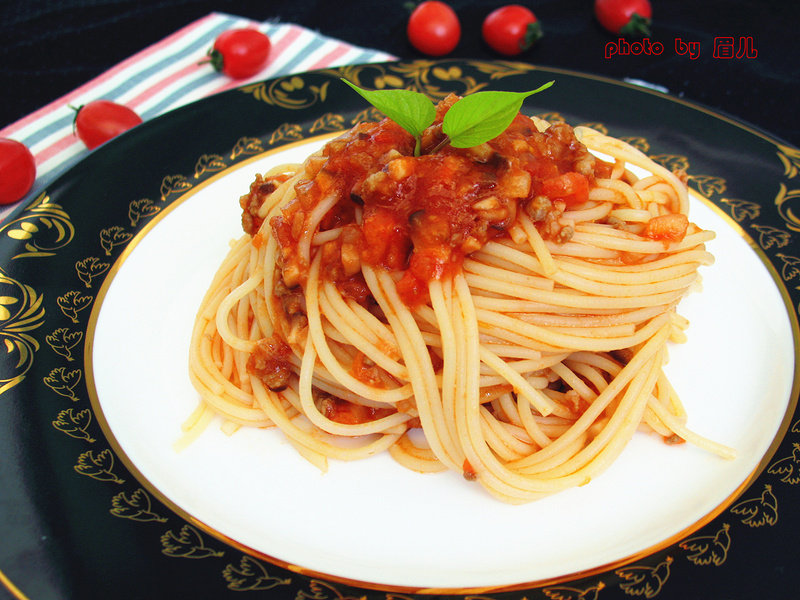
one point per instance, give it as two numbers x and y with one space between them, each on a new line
434 28
626 17
240 53
100 120
511 29
17 170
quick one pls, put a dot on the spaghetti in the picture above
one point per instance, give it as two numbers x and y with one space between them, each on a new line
502 311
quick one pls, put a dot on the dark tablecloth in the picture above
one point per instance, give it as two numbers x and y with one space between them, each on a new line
50 47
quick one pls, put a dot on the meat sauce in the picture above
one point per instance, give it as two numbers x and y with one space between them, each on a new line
422 215
418 216
269 361
251 202
348 413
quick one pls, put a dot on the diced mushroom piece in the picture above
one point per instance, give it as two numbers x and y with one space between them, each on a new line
538 208
400 168
490 209
516 183
351 253
482 153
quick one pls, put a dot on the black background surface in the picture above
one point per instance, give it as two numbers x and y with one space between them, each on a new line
50 47
59 538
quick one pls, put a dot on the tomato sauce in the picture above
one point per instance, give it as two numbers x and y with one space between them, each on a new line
347 413
420 216
251 202
269 361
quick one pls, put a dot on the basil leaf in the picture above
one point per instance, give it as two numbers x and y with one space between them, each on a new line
482 116
413 111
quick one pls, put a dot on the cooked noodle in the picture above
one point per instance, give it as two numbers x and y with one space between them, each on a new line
522 350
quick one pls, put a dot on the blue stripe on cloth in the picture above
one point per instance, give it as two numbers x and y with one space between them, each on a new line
176 95
272 28
290 67
367 56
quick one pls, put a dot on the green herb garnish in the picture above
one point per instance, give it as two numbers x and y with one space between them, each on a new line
482 116
471 121
413 111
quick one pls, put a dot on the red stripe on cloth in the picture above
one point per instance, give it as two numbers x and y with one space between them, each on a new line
330 57
125 64
293 33
162 83
57 147
225 86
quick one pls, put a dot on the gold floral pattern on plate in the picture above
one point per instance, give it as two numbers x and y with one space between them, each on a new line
21 314
42 229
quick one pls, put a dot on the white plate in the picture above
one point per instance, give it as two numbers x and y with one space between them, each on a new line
373 521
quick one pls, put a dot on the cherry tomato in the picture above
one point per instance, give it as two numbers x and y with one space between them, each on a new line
240 53
17 170
511 29
434 28
626 17
100 120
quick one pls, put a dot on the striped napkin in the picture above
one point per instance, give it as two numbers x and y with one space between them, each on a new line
167 75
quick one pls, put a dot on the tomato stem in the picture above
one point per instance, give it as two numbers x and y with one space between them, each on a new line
440 145
215 58
75 118
638 25
533 33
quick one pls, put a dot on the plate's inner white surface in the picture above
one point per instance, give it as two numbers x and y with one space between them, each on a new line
375 521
